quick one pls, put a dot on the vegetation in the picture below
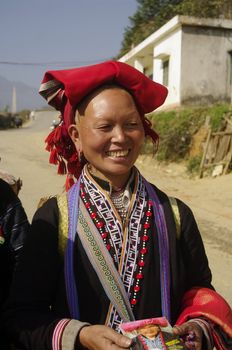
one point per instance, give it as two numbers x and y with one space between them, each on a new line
152 14
7 119
177 128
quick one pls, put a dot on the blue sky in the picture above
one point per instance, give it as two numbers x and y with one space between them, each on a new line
73 32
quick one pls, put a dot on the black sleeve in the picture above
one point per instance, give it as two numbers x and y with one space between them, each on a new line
196 262
28 317
14 228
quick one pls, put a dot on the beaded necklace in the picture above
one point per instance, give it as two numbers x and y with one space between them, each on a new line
117 199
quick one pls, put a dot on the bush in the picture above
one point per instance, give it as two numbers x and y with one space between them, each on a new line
193 165
5 120
176 129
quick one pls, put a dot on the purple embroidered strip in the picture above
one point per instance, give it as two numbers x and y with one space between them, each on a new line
71 289
163 250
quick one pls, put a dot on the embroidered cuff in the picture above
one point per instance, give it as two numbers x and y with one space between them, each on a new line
205 327
65 334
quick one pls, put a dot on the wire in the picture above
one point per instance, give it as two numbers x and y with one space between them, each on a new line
61 63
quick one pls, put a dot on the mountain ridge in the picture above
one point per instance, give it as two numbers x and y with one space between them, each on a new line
27 97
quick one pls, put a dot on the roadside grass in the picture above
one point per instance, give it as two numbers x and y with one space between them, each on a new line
176 129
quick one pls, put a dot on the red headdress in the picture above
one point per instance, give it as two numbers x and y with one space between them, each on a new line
64 89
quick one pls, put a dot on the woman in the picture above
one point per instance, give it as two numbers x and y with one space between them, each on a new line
122 260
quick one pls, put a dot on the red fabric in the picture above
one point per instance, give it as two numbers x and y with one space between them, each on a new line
204 302
64 89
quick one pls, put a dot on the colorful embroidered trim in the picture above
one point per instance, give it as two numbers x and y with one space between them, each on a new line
176 215
119 297
103 265
57 334
163 251
127 246
73 200
71 289
62 203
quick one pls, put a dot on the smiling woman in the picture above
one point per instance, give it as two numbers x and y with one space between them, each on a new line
123 260
109 133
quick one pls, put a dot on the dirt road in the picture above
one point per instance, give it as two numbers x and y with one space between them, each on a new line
23 155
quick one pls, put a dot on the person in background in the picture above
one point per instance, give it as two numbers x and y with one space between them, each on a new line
15 184
14 227
108 252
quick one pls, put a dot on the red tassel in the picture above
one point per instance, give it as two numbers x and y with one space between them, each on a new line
149 131
53 159
49 138
61 167
57 134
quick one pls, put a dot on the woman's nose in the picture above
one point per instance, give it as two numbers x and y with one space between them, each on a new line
119 135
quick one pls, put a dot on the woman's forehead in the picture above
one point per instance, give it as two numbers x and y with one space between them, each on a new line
108 91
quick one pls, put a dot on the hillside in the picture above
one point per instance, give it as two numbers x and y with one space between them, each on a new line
27 97
183 132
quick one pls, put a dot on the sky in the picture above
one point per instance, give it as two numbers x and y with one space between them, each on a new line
40 35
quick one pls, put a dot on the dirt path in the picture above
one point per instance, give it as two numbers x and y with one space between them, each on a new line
211 201
23 155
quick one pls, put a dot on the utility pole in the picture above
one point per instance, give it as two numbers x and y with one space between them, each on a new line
14 102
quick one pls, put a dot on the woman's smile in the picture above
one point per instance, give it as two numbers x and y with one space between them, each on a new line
118 154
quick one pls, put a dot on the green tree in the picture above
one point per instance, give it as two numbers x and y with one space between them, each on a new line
210 8
152 14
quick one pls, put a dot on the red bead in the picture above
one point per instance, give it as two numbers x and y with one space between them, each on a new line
81 185
87 205
104 235
146 225
108 246
83 194
133 302
145 238
150 203
100 224
93 215
139 276
141 263
136 288
143 250
148 213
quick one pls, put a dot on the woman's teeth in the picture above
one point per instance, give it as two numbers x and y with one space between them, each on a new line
116 154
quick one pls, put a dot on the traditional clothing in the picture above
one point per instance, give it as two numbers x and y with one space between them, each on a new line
94 256
13 230
38 313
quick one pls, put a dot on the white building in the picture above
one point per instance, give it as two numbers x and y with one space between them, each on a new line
191 56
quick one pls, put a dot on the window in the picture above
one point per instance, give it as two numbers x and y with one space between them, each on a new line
230 68
148 72
229 75
165 72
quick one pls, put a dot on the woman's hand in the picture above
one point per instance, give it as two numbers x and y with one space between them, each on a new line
102 338
191 333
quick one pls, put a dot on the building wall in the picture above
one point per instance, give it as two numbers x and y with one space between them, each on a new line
200 59
169 47
205 65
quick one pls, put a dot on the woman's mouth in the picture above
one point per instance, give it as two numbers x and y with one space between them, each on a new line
118 154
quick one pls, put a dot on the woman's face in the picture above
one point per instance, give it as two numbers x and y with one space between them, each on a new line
109 132
149 331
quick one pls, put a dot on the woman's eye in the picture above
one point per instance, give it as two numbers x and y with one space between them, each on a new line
105 127
132 125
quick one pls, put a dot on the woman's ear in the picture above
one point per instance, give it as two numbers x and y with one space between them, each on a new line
74 135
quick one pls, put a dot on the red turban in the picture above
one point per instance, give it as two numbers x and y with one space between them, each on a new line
64 89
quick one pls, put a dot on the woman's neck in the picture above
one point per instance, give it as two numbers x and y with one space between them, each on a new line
117 182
